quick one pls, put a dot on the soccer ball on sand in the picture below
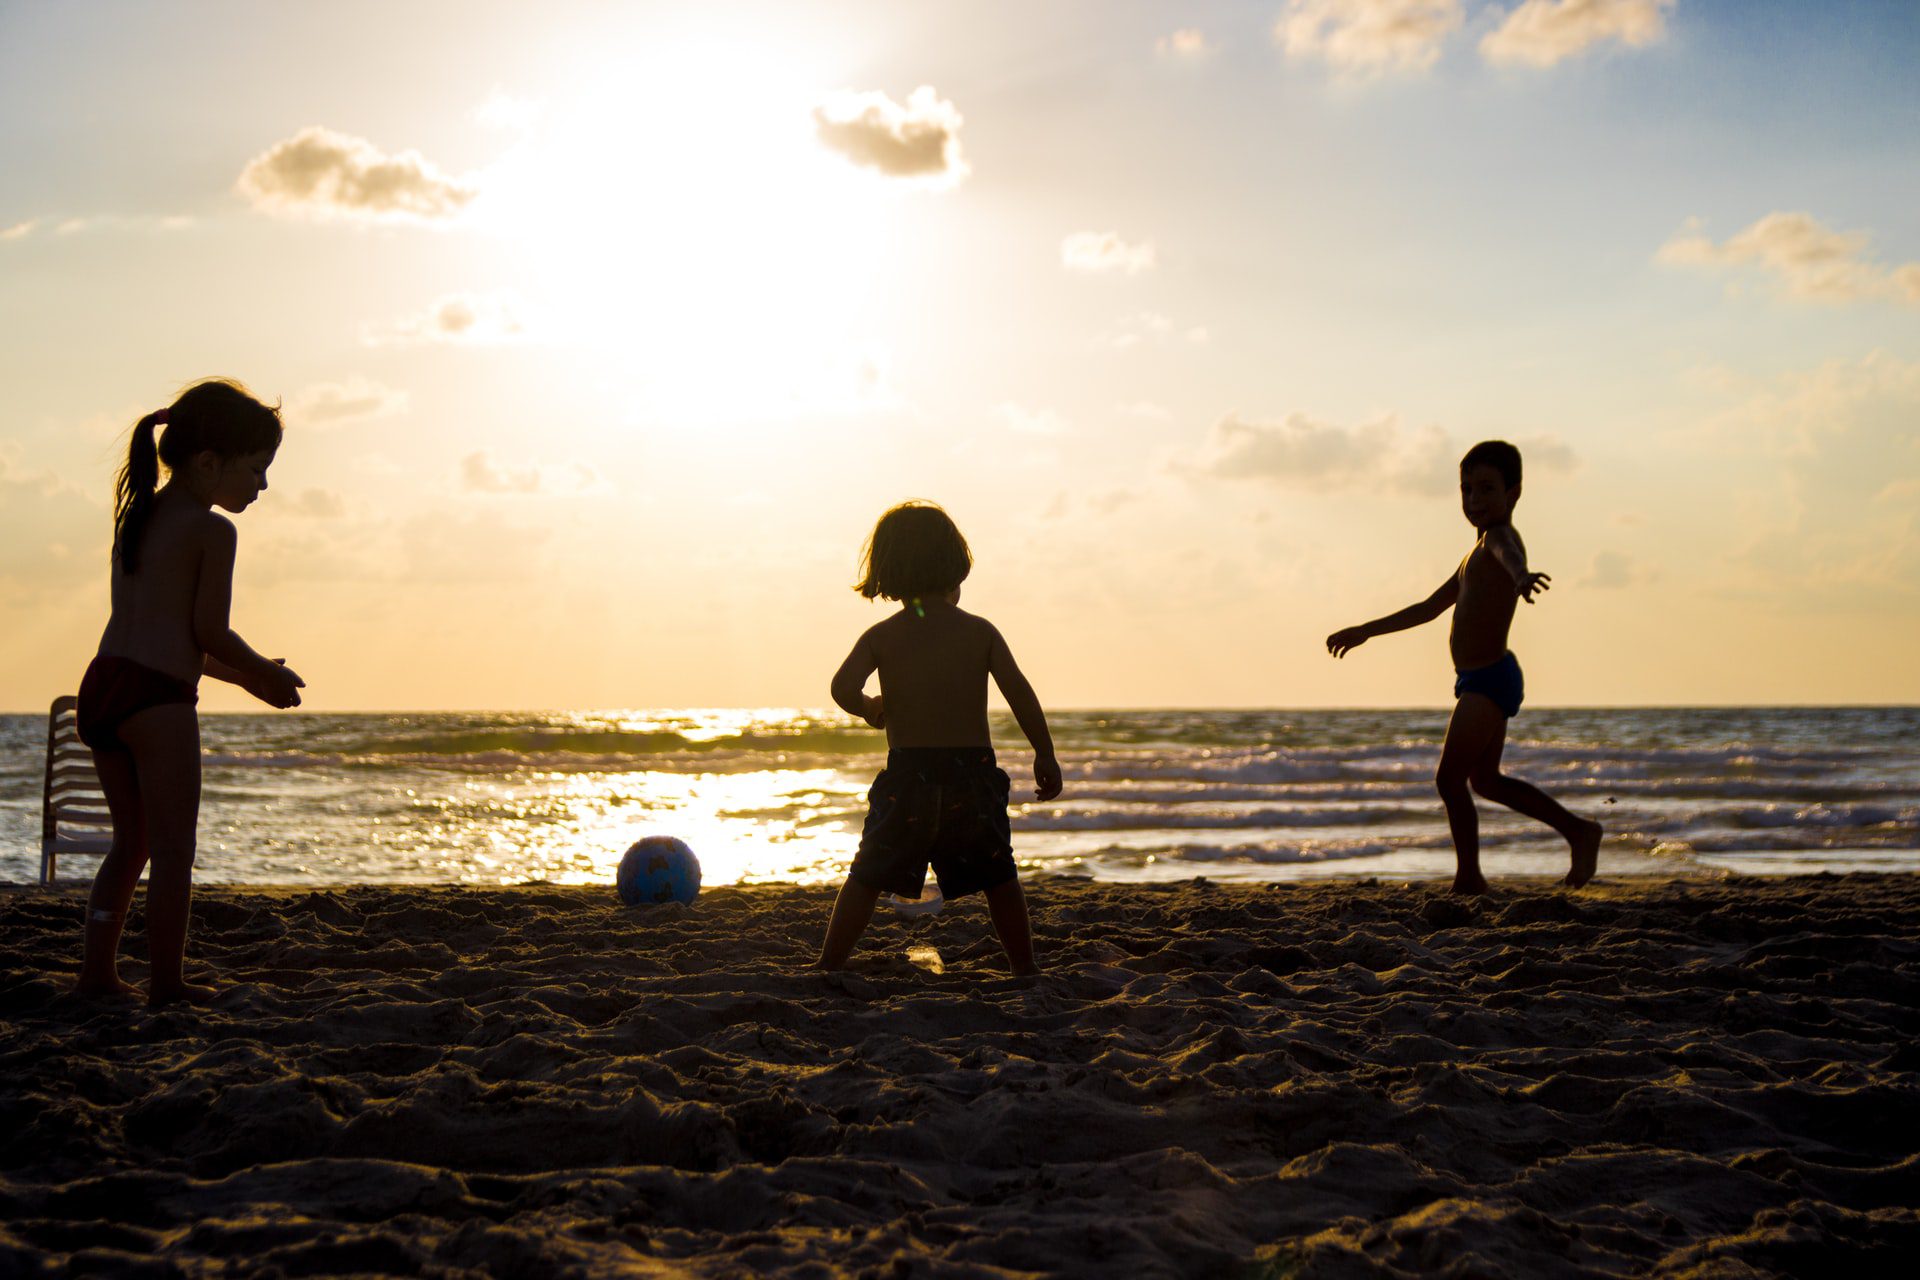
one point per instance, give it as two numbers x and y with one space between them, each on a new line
658 869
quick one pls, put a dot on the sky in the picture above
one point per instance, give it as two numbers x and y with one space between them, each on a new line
605 332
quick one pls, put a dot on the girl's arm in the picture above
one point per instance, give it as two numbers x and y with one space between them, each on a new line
1413 615
1025 705
223 649
850 685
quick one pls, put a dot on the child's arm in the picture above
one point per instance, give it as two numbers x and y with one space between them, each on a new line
850 685
1413 615
271 682
1511 554
1025 705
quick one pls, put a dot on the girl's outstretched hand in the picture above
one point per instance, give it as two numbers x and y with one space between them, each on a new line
1046 778
278 687
1345 639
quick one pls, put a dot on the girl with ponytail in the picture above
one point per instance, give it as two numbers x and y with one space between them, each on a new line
172 585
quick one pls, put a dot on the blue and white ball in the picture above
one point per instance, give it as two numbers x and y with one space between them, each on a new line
658 869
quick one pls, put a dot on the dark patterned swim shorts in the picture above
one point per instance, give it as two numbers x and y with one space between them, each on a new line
941 805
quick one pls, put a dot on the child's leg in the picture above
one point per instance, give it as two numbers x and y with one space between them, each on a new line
1476 727
165 742
851 912
119 875
1581 835
1007 905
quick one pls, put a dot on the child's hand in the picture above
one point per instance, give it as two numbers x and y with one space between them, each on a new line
279 686
876 708
1046 778
1531 583
1343 640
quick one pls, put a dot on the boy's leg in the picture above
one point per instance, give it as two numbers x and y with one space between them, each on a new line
851 912
119 875
1477 726
1007 905
1581 834
165 742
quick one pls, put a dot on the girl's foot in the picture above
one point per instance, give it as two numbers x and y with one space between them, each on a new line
109 987
1586 856
184 993
1465 881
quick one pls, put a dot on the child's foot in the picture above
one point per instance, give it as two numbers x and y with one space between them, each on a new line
1586 856
184 993
1465 881
110 987
1026 971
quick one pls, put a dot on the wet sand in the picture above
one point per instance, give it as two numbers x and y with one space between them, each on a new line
1684 1078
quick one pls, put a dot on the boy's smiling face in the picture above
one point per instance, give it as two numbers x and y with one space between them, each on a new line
1485 497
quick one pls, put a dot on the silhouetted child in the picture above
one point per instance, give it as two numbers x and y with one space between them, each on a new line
172 583
941 798
1489 688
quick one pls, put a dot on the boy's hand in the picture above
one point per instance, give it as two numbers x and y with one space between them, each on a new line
279 686
876 711
1531 583
1343 640
1046 778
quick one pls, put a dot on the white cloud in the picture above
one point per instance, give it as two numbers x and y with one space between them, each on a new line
1808 260
459 317
1039 422
1368 37
918 140
1187 42
329 404
324 173
1383 455
18 231
1097 251
481 472
1614 570
1542 32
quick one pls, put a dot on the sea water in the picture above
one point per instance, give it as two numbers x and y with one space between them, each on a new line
779 794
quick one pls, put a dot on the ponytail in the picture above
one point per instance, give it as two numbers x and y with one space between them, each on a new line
133 492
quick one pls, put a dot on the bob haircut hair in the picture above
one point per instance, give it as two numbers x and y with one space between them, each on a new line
1499 455
217 416
915 550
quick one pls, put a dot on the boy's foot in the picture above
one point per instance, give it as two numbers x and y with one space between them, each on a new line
1026 971
185 993
103 988
1469 882
1586 856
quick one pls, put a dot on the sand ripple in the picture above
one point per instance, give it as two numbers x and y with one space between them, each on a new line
1708 1079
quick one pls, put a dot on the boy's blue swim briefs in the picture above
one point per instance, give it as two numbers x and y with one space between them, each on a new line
1499 682
944 805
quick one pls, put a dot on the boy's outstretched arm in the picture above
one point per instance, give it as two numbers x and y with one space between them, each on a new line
1413 615
1025 705
850 685
1511 555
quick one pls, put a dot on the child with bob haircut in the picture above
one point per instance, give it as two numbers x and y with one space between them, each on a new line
942 798
1488 687
172 583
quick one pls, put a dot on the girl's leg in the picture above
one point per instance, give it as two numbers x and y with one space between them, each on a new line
1476 728
851 912
1007 905
117 878
165 742
1581 834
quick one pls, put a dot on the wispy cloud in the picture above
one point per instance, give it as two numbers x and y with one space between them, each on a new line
1363 38
1187 42
319 172
1031 421
1099 251
459 317
1614 571
482 472
1541 33
920 139
1808 260
1385 455
18 231
1139 327
331 404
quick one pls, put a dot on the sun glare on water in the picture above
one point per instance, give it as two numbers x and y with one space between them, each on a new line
679 218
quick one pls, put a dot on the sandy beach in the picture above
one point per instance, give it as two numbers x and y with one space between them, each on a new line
1687 1077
